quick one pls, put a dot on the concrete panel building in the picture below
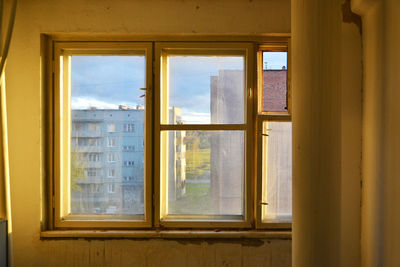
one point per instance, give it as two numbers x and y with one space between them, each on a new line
107 161
227 149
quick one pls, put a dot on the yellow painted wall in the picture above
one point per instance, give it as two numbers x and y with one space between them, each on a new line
380 239
373 141
351 130
24 109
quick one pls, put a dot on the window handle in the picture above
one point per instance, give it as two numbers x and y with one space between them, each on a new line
263 134
263 203
143 89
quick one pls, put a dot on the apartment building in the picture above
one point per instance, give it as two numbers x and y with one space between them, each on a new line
107 160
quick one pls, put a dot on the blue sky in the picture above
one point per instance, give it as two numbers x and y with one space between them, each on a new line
274 60
189 83
109 81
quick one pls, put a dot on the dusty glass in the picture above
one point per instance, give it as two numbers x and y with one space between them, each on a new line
107 114
204 90
203 172
274 77
277 172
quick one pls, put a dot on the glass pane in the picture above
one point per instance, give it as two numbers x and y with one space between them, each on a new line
205 89
274 81
107 134
203 172
277 171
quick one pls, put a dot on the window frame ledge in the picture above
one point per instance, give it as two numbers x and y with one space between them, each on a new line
166 234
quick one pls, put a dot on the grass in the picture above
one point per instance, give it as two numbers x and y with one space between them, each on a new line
197 200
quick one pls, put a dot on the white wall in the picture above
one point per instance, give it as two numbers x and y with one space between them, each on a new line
25 112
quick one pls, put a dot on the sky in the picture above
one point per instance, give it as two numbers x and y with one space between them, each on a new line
189 83
105 82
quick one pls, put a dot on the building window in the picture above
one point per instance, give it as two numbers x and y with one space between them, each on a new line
94 157
94 127
130 127
111 173
128 148
111 127
111 141
93 141
129 163
111 188
111 157
78 126
91 172
192 163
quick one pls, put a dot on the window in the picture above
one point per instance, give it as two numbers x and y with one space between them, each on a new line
204 131
78 126
93 141
129 127
111 157
111 127
94 157
171 145
274 138
129 163
94 127
91 172
111 189
111 141
111 173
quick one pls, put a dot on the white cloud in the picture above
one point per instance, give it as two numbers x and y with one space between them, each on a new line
86 103
195 117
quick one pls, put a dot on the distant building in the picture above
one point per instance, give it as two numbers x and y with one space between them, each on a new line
275 90
107 161
177 158
227 150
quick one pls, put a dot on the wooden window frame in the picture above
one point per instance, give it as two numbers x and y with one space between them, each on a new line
62 51
205 48
51 47
269 116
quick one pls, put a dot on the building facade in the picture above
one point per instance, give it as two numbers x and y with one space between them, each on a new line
107 161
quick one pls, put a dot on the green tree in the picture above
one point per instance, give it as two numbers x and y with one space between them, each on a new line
197 154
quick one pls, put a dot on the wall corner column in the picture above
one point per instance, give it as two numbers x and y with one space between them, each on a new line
316 82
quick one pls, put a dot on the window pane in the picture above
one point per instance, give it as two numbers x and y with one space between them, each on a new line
206 89
277 171
274 81
203 172
107 115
